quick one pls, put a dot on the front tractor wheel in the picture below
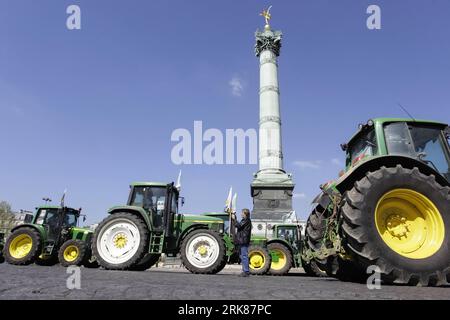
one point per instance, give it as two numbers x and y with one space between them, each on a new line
120 241
281 259
396 218
23 246
203 251
259 260
72 253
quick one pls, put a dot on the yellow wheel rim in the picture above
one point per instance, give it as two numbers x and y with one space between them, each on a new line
71 253
120 240
278 264
20 246
409 223
256 259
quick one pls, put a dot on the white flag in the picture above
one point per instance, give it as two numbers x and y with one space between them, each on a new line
178 185
234 203
228 203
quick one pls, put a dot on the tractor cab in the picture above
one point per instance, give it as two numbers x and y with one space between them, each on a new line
425 141
55 220
291 233
160 200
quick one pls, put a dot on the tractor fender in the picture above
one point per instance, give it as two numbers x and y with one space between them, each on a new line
357 173
189 230
322 199
38 228
134 210
283 242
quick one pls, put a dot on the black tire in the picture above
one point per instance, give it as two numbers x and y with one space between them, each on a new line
211 268
142 247
315 232
33 254
258 268
147 262
364 242
313 270
288 258
79 248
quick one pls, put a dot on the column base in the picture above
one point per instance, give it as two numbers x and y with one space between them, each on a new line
272 197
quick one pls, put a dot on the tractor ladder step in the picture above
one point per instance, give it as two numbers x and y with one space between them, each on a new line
156 243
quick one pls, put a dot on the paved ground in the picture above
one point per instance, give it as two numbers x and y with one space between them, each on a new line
37 282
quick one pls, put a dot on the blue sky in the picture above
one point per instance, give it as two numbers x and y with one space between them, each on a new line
93 109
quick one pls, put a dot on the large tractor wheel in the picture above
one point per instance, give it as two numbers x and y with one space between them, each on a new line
23 246
120 241
147 262
203 251
315 232
281 259
72 253
397 219
313 270
259 260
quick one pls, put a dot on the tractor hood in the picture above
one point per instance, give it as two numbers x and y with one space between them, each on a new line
197 218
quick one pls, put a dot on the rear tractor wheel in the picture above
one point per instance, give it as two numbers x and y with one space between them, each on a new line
397 219
281 259
23 246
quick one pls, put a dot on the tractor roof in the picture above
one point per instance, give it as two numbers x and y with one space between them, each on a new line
55 207
149 184
382 121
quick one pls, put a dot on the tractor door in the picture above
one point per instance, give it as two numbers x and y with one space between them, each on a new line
51 219
171 209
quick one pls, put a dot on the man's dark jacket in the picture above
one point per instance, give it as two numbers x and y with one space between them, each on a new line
244 231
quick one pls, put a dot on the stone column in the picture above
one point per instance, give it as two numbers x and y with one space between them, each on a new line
272 187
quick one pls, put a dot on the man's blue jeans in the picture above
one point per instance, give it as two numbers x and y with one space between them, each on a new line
244 258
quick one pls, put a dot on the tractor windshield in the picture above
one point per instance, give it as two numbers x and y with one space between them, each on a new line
54 218
425 142
363 147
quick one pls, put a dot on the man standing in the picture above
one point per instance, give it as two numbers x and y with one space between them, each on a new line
242 239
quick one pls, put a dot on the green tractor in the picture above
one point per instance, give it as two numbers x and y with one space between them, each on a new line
275 253
390 208
134 236
50 235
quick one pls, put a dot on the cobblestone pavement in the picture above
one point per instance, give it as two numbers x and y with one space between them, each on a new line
38 282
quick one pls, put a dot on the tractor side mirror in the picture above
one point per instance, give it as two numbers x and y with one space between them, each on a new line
84 218
344 147
182 201
447 132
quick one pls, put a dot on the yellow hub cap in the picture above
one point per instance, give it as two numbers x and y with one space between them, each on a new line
409 223
278 264
20 246
256 259
71 253
120 240
202 250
